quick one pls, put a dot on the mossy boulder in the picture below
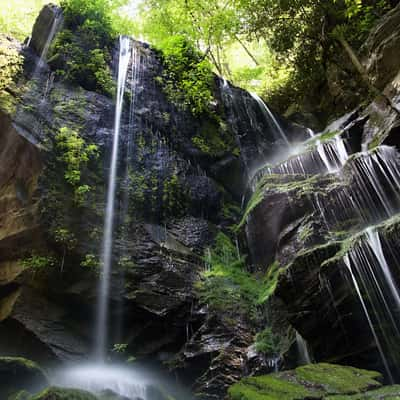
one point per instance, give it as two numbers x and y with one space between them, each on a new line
54 393
18 374
313 381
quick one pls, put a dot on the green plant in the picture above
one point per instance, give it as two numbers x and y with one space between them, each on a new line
267 342
81 52
226 286
119 347
187 76
75 154
91 262
38 262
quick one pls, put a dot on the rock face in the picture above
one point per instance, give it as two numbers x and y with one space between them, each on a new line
382 60
311 217
172 199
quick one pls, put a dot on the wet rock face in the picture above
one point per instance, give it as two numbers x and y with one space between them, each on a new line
44 24
381 49
169 206
306 223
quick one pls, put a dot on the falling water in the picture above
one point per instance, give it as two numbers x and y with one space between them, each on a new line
302 348
270 116
320 157
375 244
356 285
102 312
53 30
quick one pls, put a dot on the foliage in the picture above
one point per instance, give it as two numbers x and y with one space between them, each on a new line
10 64
227 287
81 51
279 48
18 16
267 342
187 76
119 347
91 262
38 262
75 154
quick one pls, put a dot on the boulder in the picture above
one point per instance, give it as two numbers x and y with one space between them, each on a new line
54 393
314 381
17 374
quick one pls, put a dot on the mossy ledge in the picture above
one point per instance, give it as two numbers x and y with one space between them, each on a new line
313 381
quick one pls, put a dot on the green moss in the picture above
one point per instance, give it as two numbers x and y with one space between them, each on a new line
269 387
313 381
336 379
270 281
295 186
384 393
54 393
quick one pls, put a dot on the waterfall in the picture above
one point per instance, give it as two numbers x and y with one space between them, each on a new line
312 158
371 325
53 30
104 287
302 348
269 116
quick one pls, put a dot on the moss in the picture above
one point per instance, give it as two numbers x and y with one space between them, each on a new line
313 381
336 379
54 393
384 393
269 387
295 186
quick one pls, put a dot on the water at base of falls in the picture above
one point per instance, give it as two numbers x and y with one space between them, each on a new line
129 382
97 378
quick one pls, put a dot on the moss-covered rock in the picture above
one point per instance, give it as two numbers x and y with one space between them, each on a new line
54 393
17 374
314 381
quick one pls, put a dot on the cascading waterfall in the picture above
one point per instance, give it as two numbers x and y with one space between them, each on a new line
104 287
313 157
370 193
366 191
269 116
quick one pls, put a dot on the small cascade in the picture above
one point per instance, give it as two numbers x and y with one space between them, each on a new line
269 116
314 157
376 185
53 30
370 191
103 294
302 348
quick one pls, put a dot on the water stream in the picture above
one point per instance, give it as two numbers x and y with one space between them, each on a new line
269 116
104 287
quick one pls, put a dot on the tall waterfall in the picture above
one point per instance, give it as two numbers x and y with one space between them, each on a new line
104 287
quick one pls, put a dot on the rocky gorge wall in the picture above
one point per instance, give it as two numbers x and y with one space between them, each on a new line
181 179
